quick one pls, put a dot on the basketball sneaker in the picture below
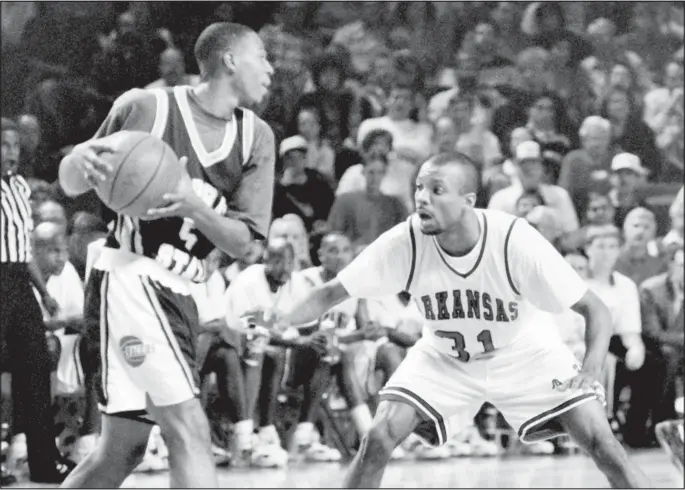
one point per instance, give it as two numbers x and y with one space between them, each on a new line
267 451
306 442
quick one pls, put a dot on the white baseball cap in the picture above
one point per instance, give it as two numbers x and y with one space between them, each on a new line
528 150
628 161
296 142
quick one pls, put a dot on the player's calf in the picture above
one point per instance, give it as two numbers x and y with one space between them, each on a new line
588 426
394 421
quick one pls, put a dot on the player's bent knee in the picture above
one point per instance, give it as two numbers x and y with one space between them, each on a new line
183 423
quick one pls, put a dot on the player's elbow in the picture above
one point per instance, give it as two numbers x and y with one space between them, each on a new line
595 311
333 293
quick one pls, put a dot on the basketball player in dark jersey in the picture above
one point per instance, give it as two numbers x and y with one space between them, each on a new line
138 289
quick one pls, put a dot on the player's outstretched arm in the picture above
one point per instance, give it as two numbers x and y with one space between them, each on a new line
597 332
316 303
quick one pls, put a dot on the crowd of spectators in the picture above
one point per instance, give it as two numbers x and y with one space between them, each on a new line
573 112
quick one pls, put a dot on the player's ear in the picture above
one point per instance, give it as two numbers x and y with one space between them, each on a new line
470 199
229 61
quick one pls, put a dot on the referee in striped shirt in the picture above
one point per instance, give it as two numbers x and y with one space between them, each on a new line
23 346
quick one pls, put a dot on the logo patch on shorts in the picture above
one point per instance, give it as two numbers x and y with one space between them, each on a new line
556 383
134 350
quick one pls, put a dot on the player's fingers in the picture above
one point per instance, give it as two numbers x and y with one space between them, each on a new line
163 212
102 147
98 163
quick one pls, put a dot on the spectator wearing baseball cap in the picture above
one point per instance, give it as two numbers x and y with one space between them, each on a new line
300 190
530 170
628 178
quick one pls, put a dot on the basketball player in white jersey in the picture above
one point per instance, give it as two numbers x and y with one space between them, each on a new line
139 288
479 278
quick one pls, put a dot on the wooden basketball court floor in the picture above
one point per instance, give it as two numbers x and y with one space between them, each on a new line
575 471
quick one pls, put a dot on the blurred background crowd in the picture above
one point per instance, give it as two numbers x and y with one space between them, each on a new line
572 111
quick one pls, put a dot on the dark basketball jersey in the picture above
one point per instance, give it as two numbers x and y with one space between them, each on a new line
235 179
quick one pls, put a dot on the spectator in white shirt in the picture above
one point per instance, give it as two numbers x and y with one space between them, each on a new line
412 141
249 300
621 296
659 102
531 174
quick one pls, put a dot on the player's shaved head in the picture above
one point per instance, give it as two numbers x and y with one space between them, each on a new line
215 41
51 211
469 178
47 232
279 246
332 238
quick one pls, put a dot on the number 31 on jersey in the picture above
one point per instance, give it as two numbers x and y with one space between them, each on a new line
459 343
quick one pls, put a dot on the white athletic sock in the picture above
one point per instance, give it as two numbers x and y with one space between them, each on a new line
361 416
244 427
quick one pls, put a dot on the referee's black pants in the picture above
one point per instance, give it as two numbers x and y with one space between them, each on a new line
25 356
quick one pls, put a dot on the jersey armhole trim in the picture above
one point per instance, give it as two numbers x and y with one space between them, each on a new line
412 266
506 257
161 112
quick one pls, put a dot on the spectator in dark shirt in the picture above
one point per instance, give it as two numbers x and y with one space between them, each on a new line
591 162
662 323
301 191
364 215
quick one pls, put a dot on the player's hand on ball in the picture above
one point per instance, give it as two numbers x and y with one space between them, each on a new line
87 155
182 202
316 341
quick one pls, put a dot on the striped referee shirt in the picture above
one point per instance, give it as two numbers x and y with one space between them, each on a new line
17 223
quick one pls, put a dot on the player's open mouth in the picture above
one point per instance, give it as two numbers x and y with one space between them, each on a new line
423 214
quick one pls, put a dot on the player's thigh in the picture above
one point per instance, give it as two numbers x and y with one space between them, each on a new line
123 441
523 383
445 392
152 331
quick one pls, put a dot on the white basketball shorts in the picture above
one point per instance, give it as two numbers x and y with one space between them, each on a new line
521 380
148 337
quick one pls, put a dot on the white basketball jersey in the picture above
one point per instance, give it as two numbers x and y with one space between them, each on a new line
343 315
474 304
470 305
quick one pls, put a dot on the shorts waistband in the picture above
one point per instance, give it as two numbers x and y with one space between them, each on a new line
111 259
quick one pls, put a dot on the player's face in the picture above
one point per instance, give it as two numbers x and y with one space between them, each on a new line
639 229
252 69
279 264
308 125
336 253
526 204
604 251
600 211
374 171
52 256
10 151
440 202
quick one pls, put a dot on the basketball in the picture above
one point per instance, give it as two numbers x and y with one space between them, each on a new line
144 168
